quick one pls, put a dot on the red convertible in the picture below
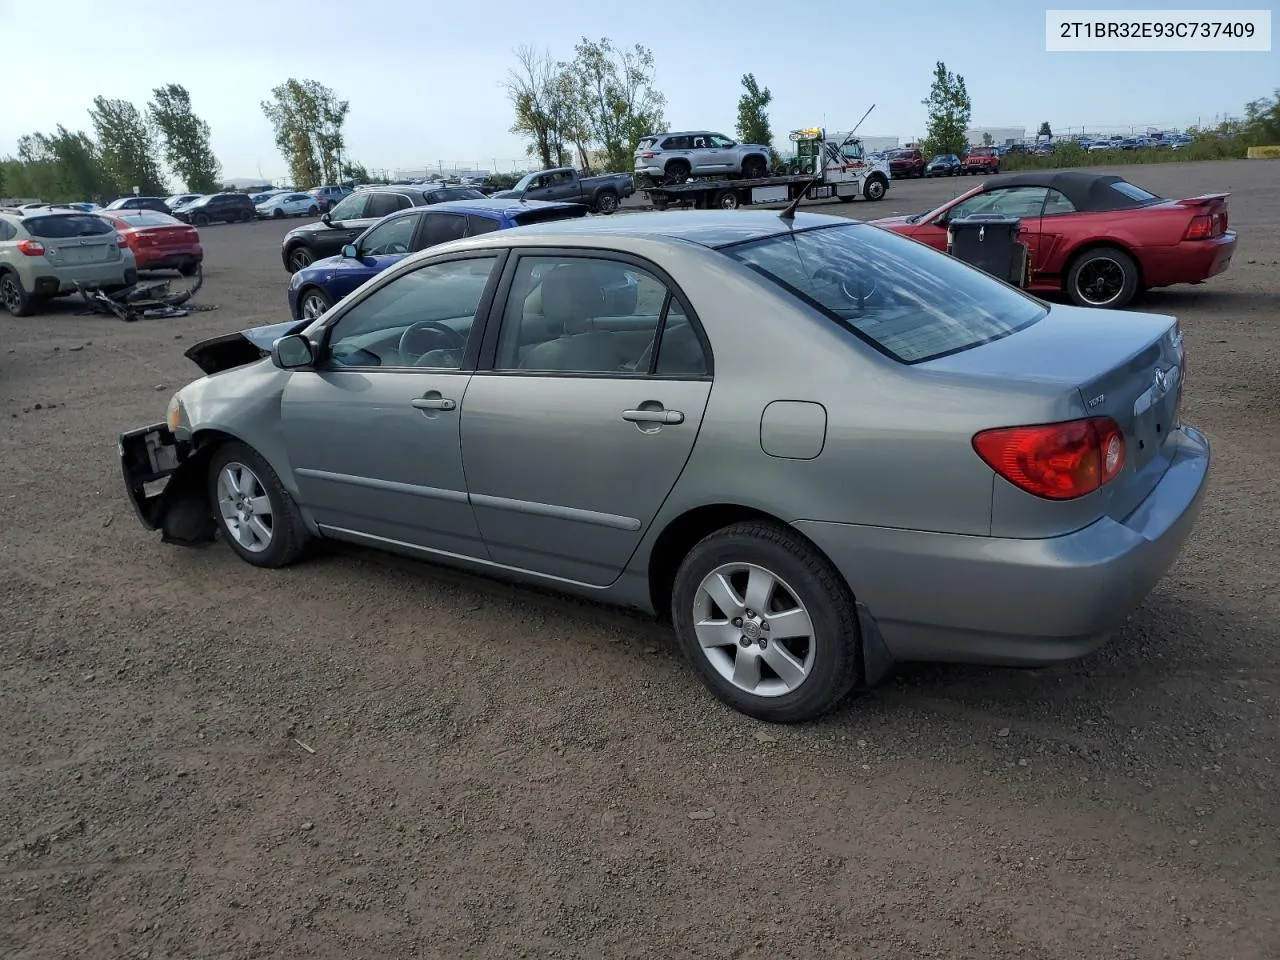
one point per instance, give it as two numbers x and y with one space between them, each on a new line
1099 239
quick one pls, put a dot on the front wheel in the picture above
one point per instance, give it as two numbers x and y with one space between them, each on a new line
277 214
754 168
299 258
253 510
727 200
1104 277
767 622
314 303
200 220
875 188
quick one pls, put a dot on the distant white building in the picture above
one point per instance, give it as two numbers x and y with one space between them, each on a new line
999 135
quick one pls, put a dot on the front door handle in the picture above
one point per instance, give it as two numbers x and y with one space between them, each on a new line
433 403
653 416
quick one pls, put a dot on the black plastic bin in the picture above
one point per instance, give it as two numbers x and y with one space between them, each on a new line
990 243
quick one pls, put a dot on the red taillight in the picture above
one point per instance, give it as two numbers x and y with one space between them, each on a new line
1057 461
1206 226
31 248
648 155
122 239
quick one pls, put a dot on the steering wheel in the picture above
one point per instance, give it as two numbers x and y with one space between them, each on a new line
394 248
858 289
436 331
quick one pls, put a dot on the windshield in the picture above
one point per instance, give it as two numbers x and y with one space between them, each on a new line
68 225
905 299
524 181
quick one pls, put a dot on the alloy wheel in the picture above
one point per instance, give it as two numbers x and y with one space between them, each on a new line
1100 281
753 629
245 507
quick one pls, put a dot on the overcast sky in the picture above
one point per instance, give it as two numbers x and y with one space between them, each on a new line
425 79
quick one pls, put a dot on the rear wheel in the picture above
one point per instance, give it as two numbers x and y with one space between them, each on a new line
253 510
767 622
677 172
607 202
16 300
313 211
1104 277
727 200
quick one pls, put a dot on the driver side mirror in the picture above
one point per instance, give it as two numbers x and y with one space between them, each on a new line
327 219
350 252
294 352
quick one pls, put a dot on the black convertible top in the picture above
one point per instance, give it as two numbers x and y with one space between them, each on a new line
1088 192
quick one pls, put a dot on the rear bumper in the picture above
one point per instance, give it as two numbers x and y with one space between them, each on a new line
1019 602
1191 261
171 258
54 280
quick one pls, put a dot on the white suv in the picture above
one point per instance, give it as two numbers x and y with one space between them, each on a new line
674 157
44 251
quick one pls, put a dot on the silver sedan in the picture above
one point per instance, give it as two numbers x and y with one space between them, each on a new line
821 448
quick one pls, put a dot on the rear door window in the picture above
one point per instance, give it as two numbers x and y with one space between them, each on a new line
905 299
441 228
479 225
381 204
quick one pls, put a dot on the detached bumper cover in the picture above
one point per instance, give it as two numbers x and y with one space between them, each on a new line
149 455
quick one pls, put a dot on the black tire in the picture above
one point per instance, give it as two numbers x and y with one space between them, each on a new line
816 586
14 298
727 200
248 217
607 202
1105 278
190 269
289 534
875 188
313 211
300 257
753 168
677 171
277 214
200 220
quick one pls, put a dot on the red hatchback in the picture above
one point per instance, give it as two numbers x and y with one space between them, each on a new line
1099 239
158 241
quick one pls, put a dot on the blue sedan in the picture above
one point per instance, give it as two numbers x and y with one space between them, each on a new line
314 289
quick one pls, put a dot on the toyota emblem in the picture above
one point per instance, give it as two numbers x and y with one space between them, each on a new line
1161 381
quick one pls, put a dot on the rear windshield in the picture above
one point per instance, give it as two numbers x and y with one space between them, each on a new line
1133 192
646 143
150 218
458 193
905 299
68 225
567 212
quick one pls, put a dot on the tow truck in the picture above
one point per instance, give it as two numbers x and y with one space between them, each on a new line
825 167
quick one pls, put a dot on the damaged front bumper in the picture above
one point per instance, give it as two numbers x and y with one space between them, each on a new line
165 484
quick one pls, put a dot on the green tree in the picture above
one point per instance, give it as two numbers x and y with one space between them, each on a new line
1262 120
753 122
618 100
536 96
1044 131
185 138
987 139
126 147
949 113
59 167
307 118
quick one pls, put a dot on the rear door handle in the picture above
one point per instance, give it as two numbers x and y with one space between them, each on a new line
433 403
653 416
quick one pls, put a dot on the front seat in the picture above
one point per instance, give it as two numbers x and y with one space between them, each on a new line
572 297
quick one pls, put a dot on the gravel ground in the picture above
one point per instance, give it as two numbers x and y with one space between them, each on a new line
498 772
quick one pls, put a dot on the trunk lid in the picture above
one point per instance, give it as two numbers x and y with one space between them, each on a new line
1126 366
174 236
71 239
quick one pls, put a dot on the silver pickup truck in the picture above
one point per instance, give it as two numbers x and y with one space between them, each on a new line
674 157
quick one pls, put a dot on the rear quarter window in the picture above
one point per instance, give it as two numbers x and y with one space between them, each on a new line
906 300
545 216
68 225
1133 192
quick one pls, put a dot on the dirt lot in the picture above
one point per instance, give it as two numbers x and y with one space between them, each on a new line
501 773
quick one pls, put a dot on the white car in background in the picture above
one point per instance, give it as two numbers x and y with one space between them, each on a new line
289 205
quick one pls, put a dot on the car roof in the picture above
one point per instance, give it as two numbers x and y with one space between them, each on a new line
683 133
1088 192
707 228
497 208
